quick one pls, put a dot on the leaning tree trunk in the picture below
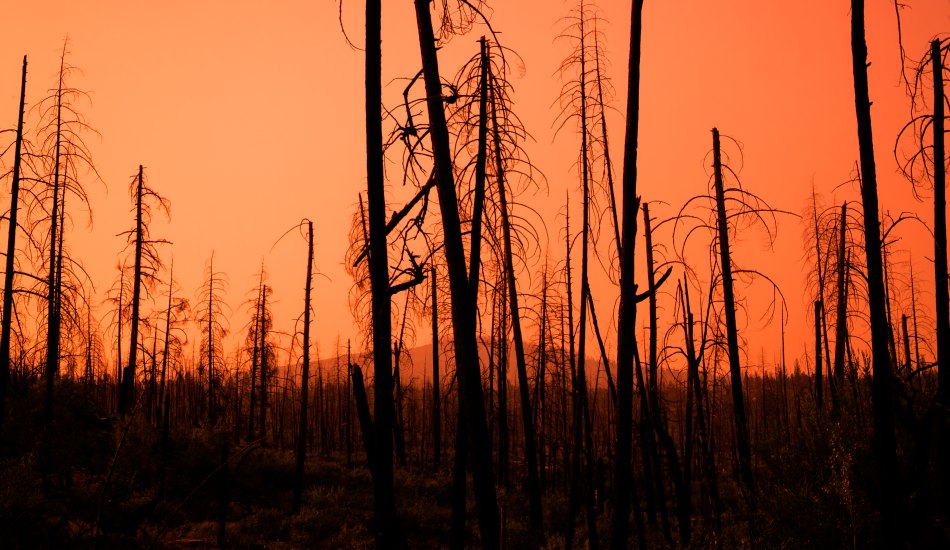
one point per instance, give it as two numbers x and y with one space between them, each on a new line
732 332
463 311
6 326
304 375
885 443
941 292
387 525
627 317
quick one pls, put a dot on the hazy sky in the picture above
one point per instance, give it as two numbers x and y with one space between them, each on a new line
248 117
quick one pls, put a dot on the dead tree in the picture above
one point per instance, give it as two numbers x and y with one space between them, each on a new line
304 376
530 441
212 320
463 314
6 326
626 320
885 443
436 388
146 264
387 533
732 331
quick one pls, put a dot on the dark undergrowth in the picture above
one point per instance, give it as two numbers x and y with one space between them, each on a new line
112 485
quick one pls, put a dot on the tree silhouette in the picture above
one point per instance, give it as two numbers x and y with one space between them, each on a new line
213 322
6 325
145 266
885 444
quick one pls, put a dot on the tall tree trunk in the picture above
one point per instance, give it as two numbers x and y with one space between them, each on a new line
304 376
53 288
349 408
533 486
463 311
212 416
656 411
841 315
399 437
436 397
885 443
118 338
255 356
6 326
168 325
460 460
694 358
540 383
388 534
818 367
263 347
571 459
502 414
627 317
941 293
128 375
582 415
732 333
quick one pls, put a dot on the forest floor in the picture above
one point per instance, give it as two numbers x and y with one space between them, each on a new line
113 484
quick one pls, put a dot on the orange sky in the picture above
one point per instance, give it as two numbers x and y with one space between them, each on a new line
248 118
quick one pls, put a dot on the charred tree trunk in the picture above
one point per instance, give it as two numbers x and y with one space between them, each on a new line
656 411
533 486
165 346
582 415
263 351
388 533
885 443
841 315
53 291
732 332
436 397
128 376
626 321
304 376
941 292
212 413
818 367
463 311
6 326
255 357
